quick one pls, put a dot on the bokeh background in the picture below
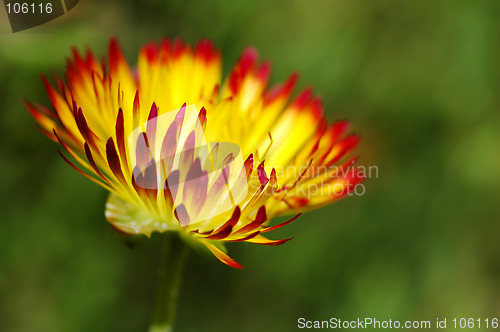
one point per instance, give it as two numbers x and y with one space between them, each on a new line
419 80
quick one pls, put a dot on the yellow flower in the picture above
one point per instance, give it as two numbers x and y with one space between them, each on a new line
180 151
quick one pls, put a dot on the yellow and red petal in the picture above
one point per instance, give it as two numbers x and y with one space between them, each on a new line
174 168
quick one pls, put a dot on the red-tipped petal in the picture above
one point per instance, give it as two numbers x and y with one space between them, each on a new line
282 91
302 99
82 172
151 126
260 218
223 231
268 229
136 110
202 117
222 256
259 239
249 165
90 158
114 160
120 136
262 174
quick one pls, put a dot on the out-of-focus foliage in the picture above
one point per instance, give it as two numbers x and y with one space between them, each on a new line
418 79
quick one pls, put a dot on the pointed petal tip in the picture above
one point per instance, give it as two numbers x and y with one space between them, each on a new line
203 111
222 256
153 113
261 172
281 225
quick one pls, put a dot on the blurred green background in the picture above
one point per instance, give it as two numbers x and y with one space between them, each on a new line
418 80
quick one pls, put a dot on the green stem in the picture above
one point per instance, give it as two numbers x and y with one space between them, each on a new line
169 278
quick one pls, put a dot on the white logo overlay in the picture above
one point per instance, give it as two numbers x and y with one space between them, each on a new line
204 179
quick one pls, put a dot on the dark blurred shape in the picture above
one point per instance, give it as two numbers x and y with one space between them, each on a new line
70 4
25 15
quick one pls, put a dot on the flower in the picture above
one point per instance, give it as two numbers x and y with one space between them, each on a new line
179 150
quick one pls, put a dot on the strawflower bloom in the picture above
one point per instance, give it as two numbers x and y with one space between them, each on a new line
181 150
